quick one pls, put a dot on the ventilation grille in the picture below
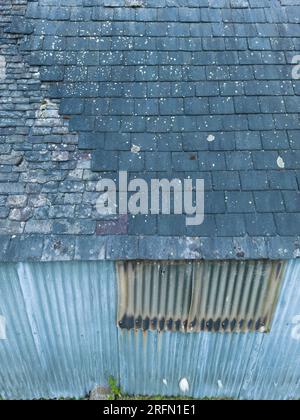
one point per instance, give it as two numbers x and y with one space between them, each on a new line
231 296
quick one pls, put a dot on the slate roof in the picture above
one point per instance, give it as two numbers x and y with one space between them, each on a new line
83 81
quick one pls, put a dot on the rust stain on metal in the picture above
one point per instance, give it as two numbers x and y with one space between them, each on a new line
226 296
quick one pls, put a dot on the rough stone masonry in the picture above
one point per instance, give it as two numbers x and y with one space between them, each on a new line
196 88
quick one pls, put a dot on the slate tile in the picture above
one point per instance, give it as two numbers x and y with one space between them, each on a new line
283 180
142 225
71 227
286 121
269 201
292 201
207 89
288 224
231 225
246 140
282 247
58 248
169 142
260 225
52 74
206 229
194 141
221 105
215 202
104 161
240 202
171 106
119 226
146 107
226 181
91 141
254 180
274 140
247 105
122 247
117 141
261 122
145 141
239 161
232 88
26 248
185 161
211 161
71 106
158 161
130 161
272 105
171 225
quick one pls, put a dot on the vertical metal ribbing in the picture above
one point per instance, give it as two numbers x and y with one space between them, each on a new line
62 338
221 296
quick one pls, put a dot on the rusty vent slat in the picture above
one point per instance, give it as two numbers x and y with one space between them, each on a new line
225 296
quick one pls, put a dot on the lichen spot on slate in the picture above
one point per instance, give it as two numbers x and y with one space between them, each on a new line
280 163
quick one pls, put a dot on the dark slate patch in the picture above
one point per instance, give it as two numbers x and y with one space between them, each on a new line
113 227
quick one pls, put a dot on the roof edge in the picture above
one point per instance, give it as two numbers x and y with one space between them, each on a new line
26 248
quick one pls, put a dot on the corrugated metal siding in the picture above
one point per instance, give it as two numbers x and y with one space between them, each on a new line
63 339
274 371
248 366
61 334
225 296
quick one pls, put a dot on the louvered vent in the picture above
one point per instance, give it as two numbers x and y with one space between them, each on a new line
229 296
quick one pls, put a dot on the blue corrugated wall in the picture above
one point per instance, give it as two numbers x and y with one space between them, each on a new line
62 340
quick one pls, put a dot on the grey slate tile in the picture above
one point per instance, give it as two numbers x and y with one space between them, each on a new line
27 248
105 161
268 202
288 224
60 248
261 224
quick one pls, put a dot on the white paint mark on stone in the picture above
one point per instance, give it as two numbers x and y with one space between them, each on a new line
2 67
2 328
211 138
280 163
184 385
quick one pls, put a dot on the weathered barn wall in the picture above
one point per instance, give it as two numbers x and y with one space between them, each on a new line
62 339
